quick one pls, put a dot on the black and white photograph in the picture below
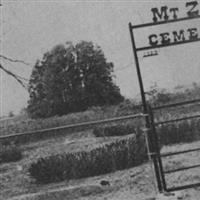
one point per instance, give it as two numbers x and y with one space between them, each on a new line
99 99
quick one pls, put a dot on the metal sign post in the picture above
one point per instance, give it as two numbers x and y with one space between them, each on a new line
152 138
150 145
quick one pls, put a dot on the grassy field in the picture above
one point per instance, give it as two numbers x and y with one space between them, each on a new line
128 184
22 123
25 124
134 183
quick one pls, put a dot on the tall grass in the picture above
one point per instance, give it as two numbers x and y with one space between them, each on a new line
118 129
182 132
118 155
94 113
21 124
122 154
10 153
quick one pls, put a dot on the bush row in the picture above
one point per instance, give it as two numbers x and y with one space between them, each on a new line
10 153
118 155
121 154
185 131
114 130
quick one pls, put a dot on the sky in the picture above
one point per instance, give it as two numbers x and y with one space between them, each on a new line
31 28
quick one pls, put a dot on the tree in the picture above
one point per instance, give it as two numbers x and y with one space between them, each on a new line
71 78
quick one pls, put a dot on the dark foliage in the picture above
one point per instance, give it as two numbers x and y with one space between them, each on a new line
10 153
174 133
118 155
71 79
114 130
182 132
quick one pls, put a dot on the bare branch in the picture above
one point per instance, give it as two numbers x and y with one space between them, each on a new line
14 60
23 78
16 77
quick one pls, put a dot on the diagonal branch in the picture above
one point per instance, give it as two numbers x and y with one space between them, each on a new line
14 76
14 60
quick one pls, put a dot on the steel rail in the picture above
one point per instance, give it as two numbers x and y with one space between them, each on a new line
77 125
179 152
164 22
181 169
176 104
177 120
182 187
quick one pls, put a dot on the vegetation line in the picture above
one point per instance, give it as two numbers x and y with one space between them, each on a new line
177 120
177 104
77 125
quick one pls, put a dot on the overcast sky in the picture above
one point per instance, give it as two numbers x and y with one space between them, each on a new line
30 28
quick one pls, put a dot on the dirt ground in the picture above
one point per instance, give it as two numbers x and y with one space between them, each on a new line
135 184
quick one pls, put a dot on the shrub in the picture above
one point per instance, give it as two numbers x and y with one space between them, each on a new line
10 153
127 107
172 133
185 131
118 155
114 130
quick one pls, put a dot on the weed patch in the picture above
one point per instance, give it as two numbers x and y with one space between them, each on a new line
182 132
10 153
114 130
121 154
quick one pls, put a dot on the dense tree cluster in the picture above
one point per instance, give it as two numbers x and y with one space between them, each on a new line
71 78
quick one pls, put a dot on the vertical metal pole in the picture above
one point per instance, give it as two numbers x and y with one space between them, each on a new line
145 111
138 70
157 148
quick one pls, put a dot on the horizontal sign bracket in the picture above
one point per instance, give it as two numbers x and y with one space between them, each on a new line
164 22
166 45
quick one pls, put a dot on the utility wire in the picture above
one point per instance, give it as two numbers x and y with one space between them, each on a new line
14 60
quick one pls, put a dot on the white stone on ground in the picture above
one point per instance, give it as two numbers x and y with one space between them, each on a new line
170 196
